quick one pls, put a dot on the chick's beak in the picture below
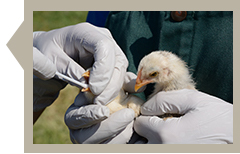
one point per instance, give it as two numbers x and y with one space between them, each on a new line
140 83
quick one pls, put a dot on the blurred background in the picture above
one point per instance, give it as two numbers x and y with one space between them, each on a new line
50 127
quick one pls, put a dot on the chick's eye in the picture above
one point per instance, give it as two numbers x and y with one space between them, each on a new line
153 74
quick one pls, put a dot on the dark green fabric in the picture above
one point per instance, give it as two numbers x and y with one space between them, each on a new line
204 40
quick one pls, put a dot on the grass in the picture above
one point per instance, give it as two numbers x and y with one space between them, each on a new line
50 127
48 20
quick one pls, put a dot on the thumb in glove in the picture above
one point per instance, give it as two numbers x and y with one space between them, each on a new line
206 119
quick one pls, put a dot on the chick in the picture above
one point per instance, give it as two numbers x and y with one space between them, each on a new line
123 100
166 70
163 68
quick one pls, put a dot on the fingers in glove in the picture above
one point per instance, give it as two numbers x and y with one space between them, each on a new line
201 124
102 48
42 66
156 130
112 89
129 83
107 55
85 116
123 137
116 82
179 101
105 130
50 44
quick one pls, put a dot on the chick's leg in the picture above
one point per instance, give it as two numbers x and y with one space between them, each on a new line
114 106
118 103
86 75
135 103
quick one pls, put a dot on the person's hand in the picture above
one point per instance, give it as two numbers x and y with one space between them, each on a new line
92 124
42 66
206 119
73 49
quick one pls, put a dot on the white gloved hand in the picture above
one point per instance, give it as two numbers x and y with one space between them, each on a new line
75 48
207 119
72 50
93 124
42 66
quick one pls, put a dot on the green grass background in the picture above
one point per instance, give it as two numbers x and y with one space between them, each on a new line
50 127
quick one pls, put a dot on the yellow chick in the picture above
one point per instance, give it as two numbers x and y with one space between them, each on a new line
163 68
167 71
123 100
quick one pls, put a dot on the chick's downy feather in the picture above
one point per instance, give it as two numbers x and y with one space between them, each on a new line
123 99
165 69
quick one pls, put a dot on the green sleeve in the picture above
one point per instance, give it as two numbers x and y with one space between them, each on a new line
204 40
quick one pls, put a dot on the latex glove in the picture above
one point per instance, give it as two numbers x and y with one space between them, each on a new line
75 48
42 66
45 89
93 124
207 119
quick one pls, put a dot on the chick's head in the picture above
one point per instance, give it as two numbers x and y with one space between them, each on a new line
159 67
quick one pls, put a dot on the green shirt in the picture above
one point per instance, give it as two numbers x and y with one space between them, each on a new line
204 40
